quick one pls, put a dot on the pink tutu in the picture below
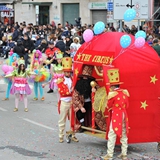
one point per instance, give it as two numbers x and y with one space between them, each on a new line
53 84
20 86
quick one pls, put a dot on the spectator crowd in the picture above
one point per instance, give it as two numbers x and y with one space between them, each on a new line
24 38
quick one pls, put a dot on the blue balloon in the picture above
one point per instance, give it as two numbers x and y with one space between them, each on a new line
125 41
99 27
140 34
129 15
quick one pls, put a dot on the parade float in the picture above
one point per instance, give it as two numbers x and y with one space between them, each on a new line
138 66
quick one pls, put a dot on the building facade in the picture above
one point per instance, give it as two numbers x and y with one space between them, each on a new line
60 11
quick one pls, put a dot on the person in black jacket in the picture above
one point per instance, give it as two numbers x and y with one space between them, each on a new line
28 47
19 49
67 52
1 33
78 22
38 41
69 41
15 34
43 46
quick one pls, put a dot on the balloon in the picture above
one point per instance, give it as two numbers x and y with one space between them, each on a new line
10 68
9 72
88 35
125 41
139 42
129 15
5 68
140 34
99 27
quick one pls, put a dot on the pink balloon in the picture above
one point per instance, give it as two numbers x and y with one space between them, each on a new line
139 42
9 72
88 35
10 68
5 68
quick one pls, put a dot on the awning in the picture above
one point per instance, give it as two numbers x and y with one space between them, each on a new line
38 3
6 1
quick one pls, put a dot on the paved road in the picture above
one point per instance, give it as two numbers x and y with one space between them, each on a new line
34 135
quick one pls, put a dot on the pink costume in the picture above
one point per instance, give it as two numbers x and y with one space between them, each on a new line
20 84
58 73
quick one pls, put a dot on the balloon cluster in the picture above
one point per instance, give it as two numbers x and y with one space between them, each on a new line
7 69
139 42
140 39
140 36
98 29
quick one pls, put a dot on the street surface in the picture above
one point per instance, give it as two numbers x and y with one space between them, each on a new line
33 135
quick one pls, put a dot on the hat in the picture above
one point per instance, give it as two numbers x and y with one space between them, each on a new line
67 64
50 42
155 41
87 72
150 37
21 61
68 37
59 55
113 76
76 38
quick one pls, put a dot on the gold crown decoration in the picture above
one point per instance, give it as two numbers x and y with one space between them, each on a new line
21 61
113 76
67 64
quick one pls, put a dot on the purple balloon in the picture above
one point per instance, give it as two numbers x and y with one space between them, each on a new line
88 35
139 42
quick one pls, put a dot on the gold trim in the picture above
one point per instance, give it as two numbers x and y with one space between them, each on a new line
59 80
126 92
112 94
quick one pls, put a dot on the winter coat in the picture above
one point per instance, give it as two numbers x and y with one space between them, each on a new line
28 44
19 49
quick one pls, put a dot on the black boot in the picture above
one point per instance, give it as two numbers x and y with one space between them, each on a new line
50 91
81 130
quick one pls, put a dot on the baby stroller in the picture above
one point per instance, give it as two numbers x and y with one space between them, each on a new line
7 49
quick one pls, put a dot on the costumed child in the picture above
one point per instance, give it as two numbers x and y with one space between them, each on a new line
41 73
56 71
11 64
81 97
118 120
65 101
20 85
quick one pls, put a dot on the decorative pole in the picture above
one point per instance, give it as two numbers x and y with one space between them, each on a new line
93 84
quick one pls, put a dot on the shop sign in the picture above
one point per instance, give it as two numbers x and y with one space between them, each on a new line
6 14
6 8
56 18
97 5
